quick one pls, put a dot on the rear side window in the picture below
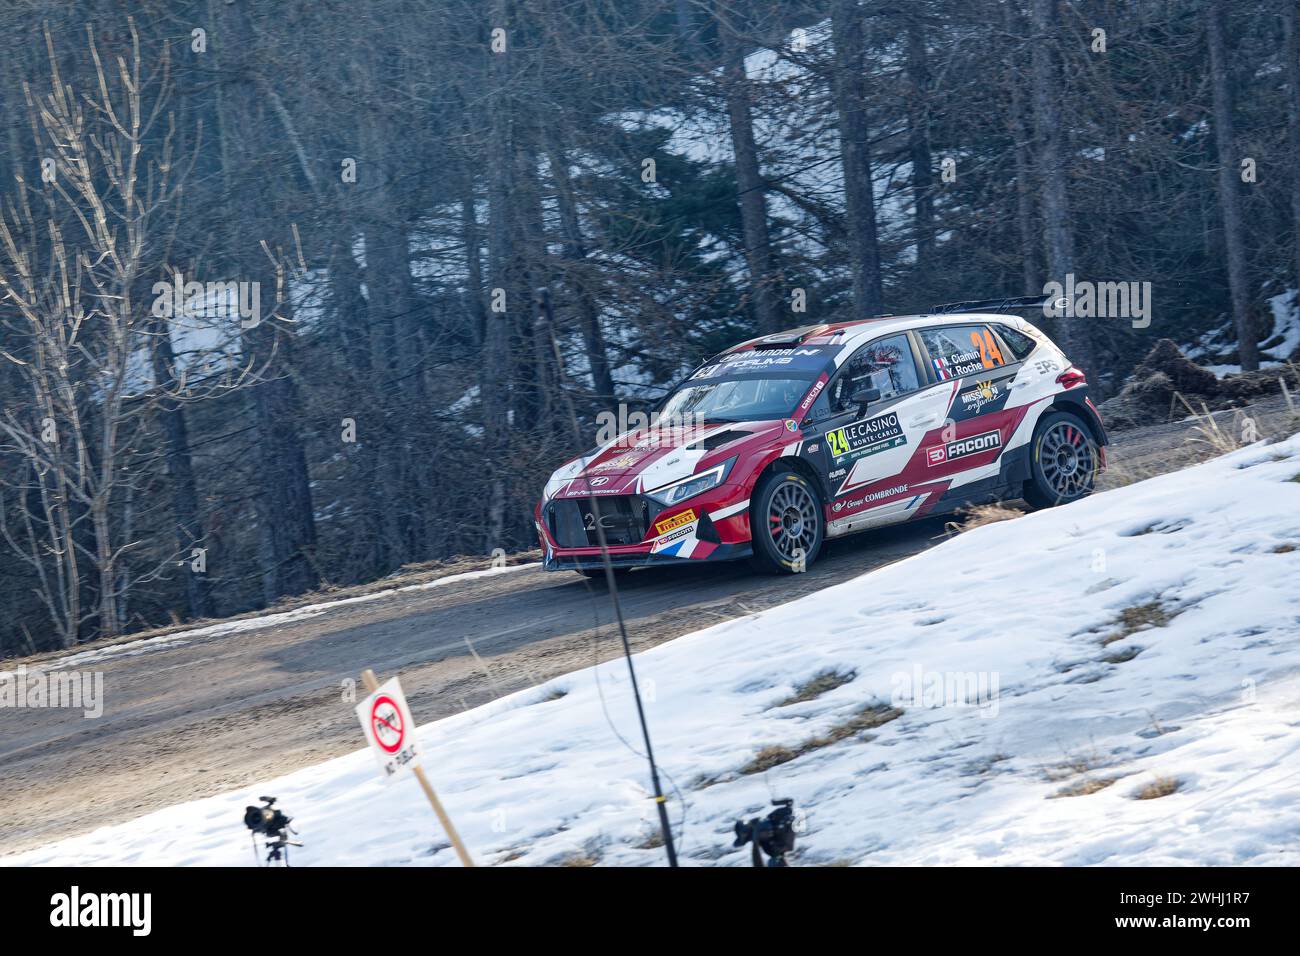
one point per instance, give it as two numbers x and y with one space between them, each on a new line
886 364
1019 343
957 350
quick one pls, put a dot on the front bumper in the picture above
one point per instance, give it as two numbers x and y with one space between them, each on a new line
639 531
574 561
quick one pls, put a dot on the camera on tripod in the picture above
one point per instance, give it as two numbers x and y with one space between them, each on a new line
773 834
272 824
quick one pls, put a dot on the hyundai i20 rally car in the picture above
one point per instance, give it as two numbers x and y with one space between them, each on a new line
778 443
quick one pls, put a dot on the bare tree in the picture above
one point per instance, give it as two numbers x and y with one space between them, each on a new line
1234 240
749 177
80 338
851 99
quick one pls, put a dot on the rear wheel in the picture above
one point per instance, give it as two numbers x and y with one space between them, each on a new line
1063 461
787 522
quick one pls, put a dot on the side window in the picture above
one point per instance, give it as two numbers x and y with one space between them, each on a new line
886 364
1019 343
957 350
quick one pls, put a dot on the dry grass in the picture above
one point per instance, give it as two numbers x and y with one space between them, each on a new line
1084 787
1284 549
1082 766
1072 767
1133 620
976 516
820 683
579 859
1221 440
871 716
654 840
770 757
1207 430
1157 788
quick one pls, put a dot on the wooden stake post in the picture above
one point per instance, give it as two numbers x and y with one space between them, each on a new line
372 684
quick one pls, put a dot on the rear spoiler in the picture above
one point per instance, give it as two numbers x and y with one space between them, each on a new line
1004 304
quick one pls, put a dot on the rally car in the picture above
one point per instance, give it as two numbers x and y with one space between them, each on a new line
778 443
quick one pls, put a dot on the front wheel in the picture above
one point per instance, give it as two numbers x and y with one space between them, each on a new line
1063 461
787 523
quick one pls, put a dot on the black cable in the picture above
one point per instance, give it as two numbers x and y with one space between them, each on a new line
544 295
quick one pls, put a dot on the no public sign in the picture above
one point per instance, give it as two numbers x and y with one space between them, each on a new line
389 728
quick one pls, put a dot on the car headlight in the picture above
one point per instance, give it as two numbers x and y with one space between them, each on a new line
692 486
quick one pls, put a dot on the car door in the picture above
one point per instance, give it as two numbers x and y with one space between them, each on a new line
866 448
980 371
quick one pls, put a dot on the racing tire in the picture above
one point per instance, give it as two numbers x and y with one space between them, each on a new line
787 522
1063 461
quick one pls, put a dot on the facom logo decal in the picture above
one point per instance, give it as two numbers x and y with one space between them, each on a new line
676 521
938 454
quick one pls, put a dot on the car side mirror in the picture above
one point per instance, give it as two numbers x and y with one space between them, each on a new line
865 396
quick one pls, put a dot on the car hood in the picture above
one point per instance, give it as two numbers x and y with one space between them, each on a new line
649 458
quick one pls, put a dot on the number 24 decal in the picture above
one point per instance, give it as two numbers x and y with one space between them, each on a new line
990 354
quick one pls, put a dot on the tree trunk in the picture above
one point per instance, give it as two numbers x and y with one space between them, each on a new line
180 470
284 504
749 180
1229 200
493 384
918 142
849 39
470 239
1018 122
1058 235
575 251
1291 30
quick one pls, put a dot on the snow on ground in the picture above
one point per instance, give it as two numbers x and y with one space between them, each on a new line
108 652
1201 566
1282 340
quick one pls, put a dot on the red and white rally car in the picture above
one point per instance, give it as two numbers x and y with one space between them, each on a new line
774 445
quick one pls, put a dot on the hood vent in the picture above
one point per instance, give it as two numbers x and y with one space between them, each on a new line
717 440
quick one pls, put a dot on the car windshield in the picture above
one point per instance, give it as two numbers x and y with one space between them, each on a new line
745 399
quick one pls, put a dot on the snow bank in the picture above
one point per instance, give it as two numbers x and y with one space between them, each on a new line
1145 635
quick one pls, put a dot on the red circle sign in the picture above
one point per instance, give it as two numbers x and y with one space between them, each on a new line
386 724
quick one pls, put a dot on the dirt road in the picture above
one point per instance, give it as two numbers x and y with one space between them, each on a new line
193 716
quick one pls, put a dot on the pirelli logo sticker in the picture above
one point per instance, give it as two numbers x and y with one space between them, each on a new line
676 521
938 454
